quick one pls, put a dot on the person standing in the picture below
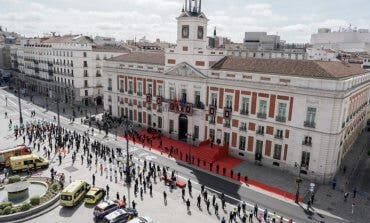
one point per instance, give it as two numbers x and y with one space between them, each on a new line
165 197
188 204
353 208
255 212
93 180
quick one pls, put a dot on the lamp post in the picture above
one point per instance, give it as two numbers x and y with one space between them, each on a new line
128 171
19 104
298 181
190 137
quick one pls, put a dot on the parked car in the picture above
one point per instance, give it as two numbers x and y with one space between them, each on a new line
141 220
94 195
106 207
121 215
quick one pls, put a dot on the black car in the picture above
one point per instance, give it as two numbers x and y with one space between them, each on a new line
121 215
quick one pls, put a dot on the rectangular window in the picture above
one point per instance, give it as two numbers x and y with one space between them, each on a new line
160 90
262 107
183 95
214 99
277 152
109 84
149 120
172 93
279 134
172 127
85 54
311 115
244 110
226 139
130 87
122 85
150 89
140 88
281 112
305 161
212 135
86 84
85 63
197 99
196 132
229 101
242 141
261 130
160 122
85 73
140 117
259 147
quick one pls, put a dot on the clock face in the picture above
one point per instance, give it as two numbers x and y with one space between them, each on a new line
200 32
185 31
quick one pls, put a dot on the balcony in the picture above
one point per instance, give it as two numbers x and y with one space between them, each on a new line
278 136
227 124
280 119
309 124
261 115
109 88
244 112
306 143
98 74
122 90
243 128
130 92
159 109
212 121
139 94
149 107
260 132
199 105
121 102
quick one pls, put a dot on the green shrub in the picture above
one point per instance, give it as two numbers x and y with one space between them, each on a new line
5 204
34 201
14 210
7 210
13 179
1 212
25 206
55 186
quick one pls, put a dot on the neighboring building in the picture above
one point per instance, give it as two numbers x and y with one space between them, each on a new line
69 66
102 41
349 40
260 41
290 112
322 54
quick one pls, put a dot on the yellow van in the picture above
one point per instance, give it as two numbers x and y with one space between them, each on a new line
31 161
74 193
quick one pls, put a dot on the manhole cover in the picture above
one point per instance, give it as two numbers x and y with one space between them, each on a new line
71 169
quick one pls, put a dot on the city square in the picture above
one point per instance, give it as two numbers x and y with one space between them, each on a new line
196 129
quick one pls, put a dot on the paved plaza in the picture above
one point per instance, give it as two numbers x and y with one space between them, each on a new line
329 205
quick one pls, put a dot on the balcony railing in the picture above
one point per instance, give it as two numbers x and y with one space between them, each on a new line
122 90
109 89
244 112
227 125
139 93
243 128
260 132
309 124
159 109
280 119
129 92
261 115
306 143
149 107
212 121
278 136
199 105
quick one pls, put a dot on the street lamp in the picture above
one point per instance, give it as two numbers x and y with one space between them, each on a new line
298 181
128 175
19 104
190 137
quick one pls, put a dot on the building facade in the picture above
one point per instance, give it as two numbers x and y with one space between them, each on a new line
291 114
68 66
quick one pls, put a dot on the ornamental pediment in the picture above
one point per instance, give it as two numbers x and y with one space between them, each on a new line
185 70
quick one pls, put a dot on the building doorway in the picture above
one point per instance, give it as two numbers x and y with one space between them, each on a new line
183 127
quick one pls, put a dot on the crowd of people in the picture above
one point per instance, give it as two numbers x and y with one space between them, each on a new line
110 162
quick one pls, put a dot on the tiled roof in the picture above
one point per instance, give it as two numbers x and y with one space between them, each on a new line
69 39
304 68
142 57
116 49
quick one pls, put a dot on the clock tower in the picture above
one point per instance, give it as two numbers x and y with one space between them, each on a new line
192 26
192 41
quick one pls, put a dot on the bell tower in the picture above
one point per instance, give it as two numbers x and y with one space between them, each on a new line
192 26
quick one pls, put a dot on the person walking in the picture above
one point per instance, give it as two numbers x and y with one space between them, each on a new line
255 212
107 189
165 197
183 193
198 201
208 203
353 208
93 180
188 204
250 216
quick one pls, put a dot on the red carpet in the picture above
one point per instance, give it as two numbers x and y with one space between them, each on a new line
205 156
